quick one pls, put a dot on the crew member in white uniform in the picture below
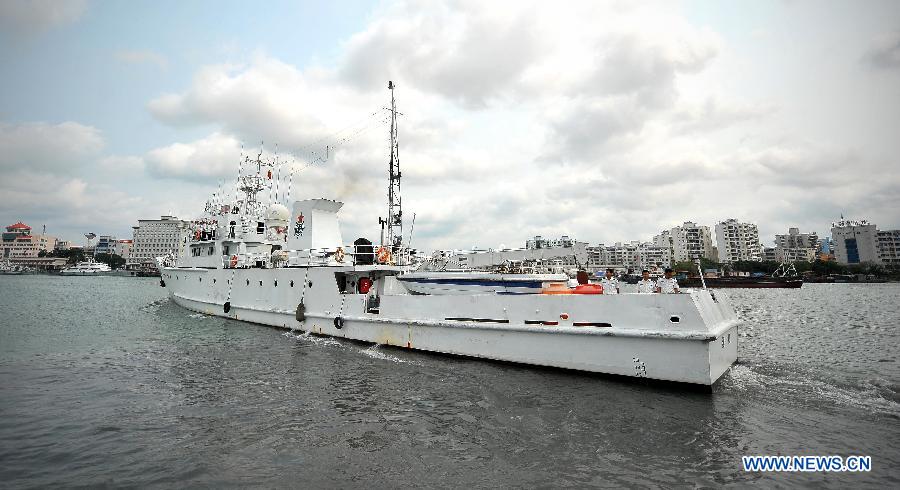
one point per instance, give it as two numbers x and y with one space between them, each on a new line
646 285
610 283
667 284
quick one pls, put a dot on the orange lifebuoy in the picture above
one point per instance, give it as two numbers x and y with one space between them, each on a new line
383 255
234 261
339 254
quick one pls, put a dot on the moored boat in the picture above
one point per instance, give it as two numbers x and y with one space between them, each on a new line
742 282
87 268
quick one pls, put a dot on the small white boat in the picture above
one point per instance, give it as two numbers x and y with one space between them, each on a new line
7 268
87 268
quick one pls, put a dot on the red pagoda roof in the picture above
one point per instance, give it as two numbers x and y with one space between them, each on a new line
18 226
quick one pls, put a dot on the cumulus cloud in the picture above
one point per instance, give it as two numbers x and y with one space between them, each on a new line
28 17
69 206
266 100
53 147
519 119
208 159
470 54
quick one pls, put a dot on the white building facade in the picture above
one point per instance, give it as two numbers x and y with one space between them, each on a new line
888 244
855 241
106 244
632 255
122 248
157 237
796 246
737 241
539 242
689 241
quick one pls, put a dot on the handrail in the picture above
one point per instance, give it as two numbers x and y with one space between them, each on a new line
312 256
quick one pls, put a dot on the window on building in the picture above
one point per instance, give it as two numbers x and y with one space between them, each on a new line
852 251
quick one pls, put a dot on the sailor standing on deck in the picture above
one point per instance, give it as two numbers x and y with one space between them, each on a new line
646 285
610 283
667 284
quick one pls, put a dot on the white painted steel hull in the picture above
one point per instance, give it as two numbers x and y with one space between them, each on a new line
637 337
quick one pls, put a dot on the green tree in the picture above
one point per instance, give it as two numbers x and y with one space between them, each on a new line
112 260
691 266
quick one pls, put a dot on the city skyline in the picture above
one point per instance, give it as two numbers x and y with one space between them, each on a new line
77 241
606 121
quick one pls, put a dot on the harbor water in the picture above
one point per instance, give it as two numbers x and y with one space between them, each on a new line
105 382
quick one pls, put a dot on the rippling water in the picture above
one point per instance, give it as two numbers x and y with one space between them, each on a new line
107 383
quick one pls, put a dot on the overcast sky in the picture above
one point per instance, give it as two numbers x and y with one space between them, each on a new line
603 121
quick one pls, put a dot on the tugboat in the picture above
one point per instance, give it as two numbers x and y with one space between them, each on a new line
257 260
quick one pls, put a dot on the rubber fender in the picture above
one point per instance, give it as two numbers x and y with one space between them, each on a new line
300 315
227 306
338 322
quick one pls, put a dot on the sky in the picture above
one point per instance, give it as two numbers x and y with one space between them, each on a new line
604 121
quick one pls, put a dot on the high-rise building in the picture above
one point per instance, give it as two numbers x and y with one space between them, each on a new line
855 241
825 249
796 246
19 241
631 255
106 244
737 241
156 237
122 248
888 245
539 242
687 242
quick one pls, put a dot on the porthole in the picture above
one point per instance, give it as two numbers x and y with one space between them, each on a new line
674 319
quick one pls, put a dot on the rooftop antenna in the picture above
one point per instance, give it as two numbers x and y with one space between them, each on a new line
394 220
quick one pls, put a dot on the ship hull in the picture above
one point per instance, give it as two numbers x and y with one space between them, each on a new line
474 326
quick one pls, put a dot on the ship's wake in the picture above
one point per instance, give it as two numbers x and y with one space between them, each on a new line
308 338
874 395
154 305
375 353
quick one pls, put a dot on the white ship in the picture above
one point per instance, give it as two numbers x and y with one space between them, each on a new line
260 262
87 268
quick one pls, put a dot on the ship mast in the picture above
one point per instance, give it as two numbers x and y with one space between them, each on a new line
394 219
252 184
